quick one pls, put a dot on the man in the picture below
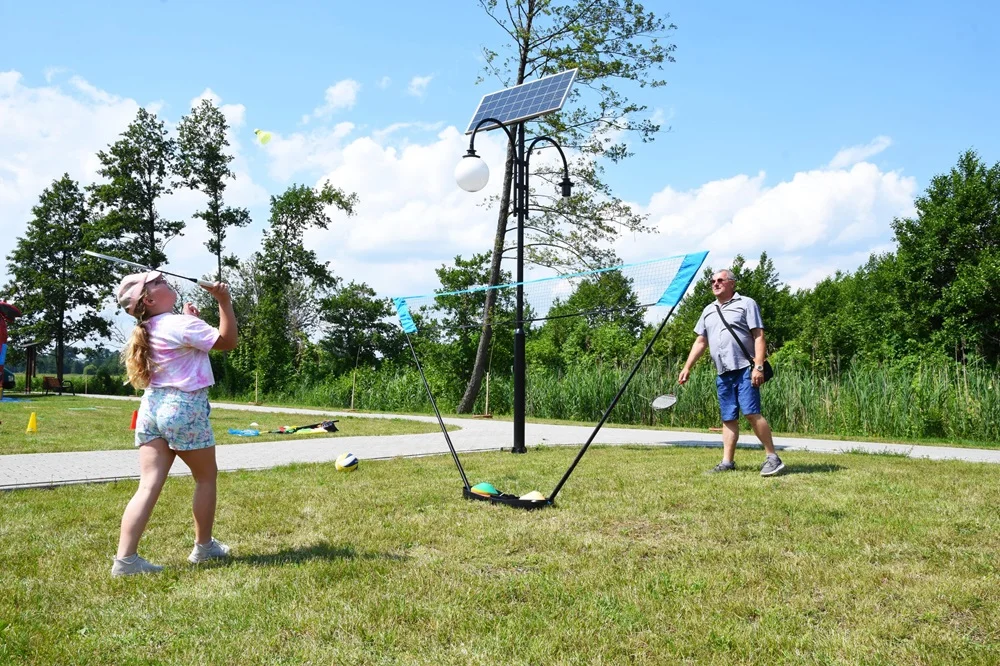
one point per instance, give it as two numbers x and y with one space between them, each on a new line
739 377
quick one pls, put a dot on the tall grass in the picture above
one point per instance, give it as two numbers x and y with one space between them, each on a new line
935 400
927 401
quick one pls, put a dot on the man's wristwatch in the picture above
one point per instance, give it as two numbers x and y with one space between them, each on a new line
759 368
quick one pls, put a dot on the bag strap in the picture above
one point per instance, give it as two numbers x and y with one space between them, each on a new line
750 358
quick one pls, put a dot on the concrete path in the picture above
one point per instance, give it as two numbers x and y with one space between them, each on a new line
51 469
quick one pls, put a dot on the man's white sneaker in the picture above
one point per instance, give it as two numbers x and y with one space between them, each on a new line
213 550
134 564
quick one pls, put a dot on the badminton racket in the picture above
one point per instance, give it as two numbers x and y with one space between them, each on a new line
664 401
201 283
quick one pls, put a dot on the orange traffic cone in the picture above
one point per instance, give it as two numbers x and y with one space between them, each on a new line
32 424
135 415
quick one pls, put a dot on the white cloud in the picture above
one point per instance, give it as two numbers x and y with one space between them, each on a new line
341 95
412 217
394 128
52 72
318 150
384 82
53 129
811 225
849 156
418 85
47 131
92 92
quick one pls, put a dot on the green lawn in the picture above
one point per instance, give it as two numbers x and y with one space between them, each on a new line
67 423
847 559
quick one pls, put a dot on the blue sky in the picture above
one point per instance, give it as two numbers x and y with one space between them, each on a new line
796 128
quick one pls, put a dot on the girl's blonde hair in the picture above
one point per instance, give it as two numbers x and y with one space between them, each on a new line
136 356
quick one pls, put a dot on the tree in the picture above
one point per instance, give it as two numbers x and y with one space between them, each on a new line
285 257
203 165
600 322
358 331
137 168
949 255
675 341
246 287
612 43
460 319
58 288
853 316
777 305
284 261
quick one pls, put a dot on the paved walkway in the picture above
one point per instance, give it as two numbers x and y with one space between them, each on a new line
51 469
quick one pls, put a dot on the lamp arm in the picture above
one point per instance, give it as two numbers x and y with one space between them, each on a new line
536 140
472 139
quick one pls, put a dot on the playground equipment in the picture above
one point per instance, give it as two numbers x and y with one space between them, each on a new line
8 313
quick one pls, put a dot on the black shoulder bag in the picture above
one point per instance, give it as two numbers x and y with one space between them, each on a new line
768 370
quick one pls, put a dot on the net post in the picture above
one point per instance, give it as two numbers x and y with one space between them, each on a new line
614 402
521 203
444 430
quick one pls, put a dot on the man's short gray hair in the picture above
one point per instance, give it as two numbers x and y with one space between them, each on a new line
729 274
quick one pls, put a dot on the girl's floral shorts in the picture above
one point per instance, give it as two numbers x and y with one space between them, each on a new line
180 417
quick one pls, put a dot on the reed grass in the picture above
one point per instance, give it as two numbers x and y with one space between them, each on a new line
936 401
940 402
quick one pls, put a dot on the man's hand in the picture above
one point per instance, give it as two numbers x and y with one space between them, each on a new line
699 346
190 309
756 378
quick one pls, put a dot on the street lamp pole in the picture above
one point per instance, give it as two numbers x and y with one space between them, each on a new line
472 176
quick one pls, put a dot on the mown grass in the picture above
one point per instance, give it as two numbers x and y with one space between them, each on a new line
66 423
847 559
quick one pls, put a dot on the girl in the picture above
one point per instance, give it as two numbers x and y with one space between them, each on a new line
167 356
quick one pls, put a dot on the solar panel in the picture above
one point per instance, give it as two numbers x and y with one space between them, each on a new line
524 102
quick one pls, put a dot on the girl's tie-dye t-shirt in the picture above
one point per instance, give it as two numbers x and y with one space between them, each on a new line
179 347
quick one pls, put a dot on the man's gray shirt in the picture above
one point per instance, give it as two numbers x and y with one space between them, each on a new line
743 314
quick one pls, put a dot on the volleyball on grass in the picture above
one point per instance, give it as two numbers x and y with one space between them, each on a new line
346 462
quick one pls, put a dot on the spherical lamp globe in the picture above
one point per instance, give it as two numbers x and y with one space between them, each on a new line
472 174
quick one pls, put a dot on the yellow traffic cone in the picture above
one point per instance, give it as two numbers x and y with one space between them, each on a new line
32 424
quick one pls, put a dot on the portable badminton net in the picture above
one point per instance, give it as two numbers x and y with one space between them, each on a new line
655 286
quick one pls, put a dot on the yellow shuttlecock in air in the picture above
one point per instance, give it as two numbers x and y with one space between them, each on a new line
262 136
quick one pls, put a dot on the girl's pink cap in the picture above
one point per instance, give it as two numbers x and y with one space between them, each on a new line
130 289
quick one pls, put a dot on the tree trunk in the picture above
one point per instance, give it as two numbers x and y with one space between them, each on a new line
59 355
151 222
479 367
217 212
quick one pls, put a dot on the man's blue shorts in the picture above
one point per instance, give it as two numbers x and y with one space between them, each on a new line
737 394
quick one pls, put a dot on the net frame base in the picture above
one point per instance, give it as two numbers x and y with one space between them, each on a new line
508 500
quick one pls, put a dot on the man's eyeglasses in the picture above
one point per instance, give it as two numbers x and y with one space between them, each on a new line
720 280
